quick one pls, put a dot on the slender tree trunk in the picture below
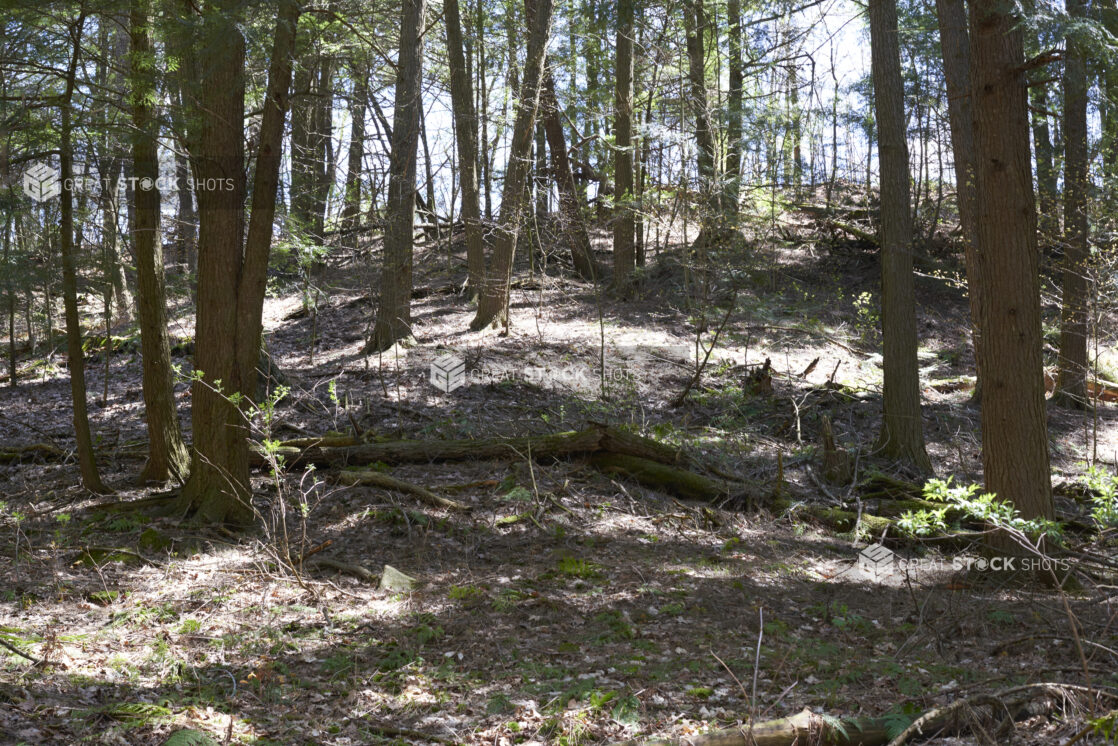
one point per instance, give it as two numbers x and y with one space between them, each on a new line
734 104
91 478
393 321
1071 379
465 131
1045 166
624 251
695 24
902 433
351 211
493 303
955 41
1014 432
10 292
167 454
232 271
571 222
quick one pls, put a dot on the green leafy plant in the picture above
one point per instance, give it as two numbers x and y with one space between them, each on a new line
1104 496
976 505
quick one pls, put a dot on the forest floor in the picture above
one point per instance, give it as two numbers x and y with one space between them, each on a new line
566 606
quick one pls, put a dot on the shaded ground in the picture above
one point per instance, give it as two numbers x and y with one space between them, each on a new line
565 607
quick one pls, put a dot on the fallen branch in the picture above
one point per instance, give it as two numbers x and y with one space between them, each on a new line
384 481
20 653
356 571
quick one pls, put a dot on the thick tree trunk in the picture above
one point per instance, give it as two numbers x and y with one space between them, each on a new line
465 131
624 250
232 272
91 478
1014 432
393 321
493 303
167 455
571 222
955 41
902 433
1071 380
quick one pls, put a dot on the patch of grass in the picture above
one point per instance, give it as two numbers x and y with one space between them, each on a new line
619 626
700 692
465 593
576 567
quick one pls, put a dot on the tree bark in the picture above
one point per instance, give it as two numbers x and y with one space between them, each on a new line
393 321
232 272
1014 432
955 42
624 250
91 478
902 434
493 303
465 131
1071 380
167 453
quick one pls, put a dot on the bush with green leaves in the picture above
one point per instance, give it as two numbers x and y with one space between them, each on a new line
1103 488
973 504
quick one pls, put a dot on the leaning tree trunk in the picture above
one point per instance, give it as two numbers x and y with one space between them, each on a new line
167 454
91 478
1014 428
571 222
393 320
624 249
955 42
1071 380
465 132
902 433
493 303
232 272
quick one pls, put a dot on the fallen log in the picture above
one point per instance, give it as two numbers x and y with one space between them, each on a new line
384 481
593 439
19 453
802 728
854 231
685 484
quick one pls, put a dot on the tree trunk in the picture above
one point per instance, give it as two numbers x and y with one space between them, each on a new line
902 434
695 23
1071 381
167 455
1014 433
91 479
1045 166
231 283
351 212
624 251
493 303
734 104
571 222
955 41
393 321
465 132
